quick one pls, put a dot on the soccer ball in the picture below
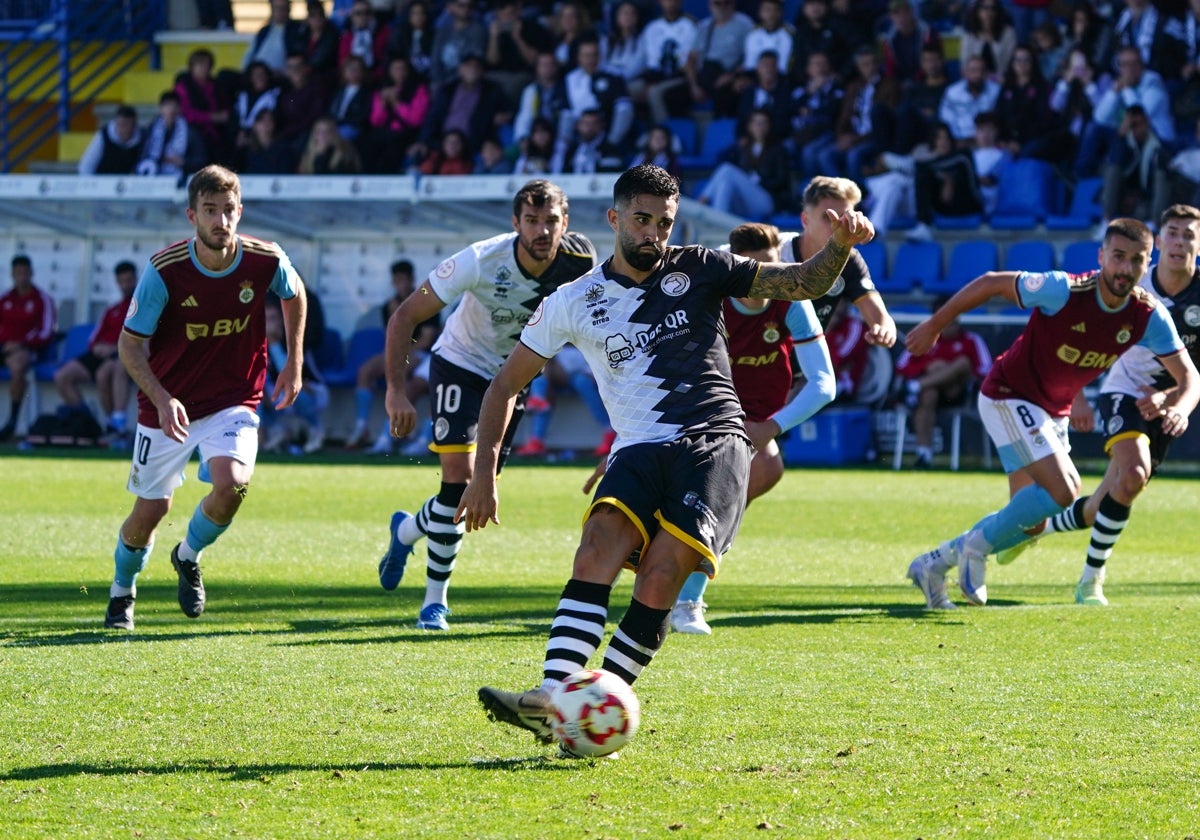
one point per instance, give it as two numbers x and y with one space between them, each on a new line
595 713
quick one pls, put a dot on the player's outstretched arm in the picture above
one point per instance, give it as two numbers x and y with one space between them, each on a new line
815 276
480 502
881 329
172 416
1181 402
417 308
1002 284
291 378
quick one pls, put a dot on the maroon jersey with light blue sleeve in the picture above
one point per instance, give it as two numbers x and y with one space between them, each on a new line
1072 338
207 330
760 351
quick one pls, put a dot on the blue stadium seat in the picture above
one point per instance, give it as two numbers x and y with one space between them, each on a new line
364 344
331 355
719 135
1085 209
1029 255
684 130
1081 257
972 221
73 344
874 253
1027 189
914 263
968 260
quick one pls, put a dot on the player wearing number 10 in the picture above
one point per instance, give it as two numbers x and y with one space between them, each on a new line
1079 326
195 342
500 281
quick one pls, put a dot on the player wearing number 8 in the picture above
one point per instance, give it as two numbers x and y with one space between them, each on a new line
1078 327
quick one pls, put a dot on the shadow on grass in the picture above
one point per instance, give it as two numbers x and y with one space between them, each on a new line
264 772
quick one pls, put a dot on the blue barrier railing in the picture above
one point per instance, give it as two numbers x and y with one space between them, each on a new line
56 52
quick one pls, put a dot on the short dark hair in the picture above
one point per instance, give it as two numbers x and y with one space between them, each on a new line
646 179
753 236
1178 211
169 96
22 259
540 193
403 265
124 266
126 112
1131 229
212 180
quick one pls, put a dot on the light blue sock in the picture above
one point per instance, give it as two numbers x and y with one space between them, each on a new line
201 533
362 404
1006 527
128 562
693 587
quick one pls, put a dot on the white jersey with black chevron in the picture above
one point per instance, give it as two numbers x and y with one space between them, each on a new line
1138 368
658 348
497 297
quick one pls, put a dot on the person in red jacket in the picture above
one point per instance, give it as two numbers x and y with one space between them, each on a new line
27 322
939 378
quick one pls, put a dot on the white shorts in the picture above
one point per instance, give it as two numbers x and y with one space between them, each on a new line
1023 432
158 461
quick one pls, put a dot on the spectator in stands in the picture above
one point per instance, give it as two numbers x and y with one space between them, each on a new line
543 98
1076 93
1184 172
259 92
202 106
215 14
398 111
116 148
303 100
514 42
1090 32
171 147
371 372
967 98
568 371
263 153
27 324
472 104
849 350
588 150
866 125
946 184
1136 175
451 157
328 152
816 105
366 39
1157 36
351 104
772 34
659 147
988 33
815 33
537 149
1027 16
459 33
573 25
768 91
1133 85
591 89
904 41
754 177
321 42
1050 48
491 159
1187 98
917 112
716 57
666 41
310 403
100 364
279 37
942 377
626 58
854 23
412 39
1023 107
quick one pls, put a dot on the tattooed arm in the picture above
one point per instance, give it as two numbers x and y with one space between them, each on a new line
815 276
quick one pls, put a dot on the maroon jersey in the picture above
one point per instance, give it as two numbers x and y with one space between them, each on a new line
1057 355
28 319
760 355
108 329
207 332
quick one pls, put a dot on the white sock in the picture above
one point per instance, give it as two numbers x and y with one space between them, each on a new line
115 591
408 532
435 591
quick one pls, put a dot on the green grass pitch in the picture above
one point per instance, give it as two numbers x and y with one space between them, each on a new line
827 704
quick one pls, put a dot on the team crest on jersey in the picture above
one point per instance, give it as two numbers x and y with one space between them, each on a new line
1191 316
839 286
445 269
247 293
132 310
1115 424
441 428
594 294
619 349
1033 281
771 333
1124 335
676 284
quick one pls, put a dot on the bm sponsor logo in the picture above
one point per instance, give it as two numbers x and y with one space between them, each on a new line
1090 359
217 329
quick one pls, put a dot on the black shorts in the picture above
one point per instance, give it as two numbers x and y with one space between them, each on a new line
1120 419
91 362
694 487
456 395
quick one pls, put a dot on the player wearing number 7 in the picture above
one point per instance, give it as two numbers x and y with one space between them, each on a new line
1078 327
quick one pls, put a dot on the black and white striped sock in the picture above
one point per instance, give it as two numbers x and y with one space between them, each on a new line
638 637
445 537
1070 519
577 629
1111 519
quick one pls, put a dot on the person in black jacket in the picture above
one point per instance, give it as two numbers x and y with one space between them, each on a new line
116 147
754 179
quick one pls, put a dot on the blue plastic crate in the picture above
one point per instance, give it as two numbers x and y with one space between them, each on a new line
835 436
